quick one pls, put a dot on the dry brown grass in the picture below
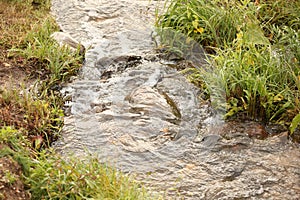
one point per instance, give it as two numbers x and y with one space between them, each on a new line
17 19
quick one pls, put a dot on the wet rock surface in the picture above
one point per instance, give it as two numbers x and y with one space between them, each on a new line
145 118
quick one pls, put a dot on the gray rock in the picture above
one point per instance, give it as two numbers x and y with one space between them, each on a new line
64 39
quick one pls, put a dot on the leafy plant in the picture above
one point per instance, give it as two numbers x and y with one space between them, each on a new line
295 123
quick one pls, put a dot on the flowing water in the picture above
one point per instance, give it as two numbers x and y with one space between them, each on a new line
133 110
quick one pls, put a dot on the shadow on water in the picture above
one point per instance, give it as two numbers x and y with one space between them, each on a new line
146 119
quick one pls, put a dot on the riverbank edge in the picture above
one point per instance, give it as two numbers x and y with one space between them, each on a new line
248 48
30 169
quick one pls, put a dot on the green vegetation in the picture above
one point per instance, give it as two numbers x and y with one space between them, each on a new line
49 176
31 119
39 118
16 146
55 178
254 51
29 46
54 64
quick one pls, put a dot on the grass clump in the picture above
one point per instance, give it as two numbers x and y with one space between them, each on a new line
14 144
55 178
53 64
40 120
254 53
49 176
258 81
210 23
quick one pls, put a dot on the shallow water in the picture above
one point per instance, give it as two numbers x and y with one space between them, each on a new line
146 119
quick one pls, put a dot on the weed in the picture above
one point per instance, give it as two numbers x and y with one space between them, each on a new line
53 64
15 146
56 178
9 178
255 61
36 117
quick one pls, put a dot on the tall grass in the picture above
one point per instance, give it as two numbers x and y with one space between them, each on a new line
254 53
258 81
211 23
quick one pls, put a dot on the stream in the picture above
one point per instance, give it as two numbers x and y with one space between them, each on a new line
144 117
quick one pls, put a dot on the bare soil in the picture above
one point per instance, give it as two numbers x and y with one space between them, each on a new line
11 180
13 74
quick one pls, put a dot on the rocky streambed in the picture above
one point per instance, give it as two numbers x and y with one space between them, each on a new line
138 114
